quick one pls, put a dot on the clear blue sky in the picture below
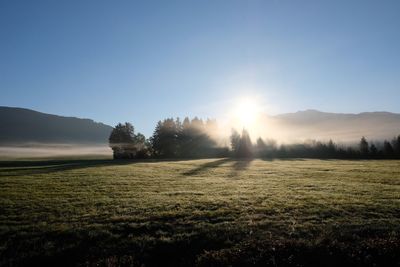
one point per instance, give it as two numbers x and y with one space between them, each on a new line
141 61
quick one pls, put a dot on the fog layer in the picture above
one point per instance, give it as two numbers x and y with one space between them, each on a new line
53 150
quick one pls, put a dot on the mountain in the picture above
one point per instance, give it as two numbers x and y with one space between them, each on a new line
19 125
313 124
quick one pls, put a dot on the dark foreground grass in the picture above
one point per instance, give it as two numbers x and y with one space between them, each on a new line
202 212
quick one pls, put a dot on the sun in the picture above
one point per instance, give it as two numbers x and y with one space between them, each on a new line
246 113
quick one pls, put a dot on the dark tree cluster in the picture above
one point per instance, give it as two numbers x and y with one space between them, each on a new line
126 144
171 139
241 144
187 139
386 150
315 149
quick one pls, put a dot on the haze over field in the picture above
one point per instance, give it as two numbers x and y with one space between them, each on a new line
316 125
43 151
23 127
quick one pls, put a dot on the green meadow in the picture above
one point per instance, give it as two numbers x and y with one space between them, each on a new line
214 212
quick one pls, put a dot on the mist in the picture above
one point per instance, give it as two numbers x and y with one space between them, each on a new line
36 150
308 125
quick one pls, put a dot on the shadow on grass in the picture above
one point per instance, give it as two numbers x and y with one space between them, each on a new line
282 159
16 168
237 166
206 166
31 167
242 164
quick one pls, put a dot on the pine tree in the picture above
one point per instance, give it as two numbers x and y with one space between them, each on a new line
364 147
373 150
245 149
396 146
235 140
165 139
388 149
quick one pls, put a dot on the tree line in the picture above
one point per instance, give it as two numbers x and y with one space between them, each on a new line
190 138
172 138
243 147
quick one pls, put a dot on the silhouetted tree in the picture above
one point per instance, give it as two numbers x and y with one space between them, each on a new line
245 149
187 139
364 147
396 146
388 149
193 140
373 150
283 151
235 141
122 141
271 146
164 141
261 147
266 148
331 149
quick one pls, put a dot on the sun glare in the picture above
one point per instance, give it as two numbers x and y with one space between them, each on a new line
246 113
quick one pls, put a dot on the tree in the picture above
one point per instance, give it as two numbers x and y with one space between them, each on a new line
261 147
266 148
193 139
185 138
164 141
364 147
125 144
388 149
396 146
373 150
245 149
122 133
331 147
235 141
142 146
122 142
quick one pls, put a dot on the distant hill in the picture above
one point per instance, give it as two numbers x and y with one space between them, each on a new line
313 124
19 125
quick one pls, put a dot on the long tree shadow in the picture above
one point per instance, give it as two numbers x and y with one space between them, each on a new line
16 168
242 164
237 166
282 159
209 165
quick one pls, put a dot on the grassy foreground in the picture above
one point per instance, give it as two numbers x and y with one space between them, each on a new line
200 212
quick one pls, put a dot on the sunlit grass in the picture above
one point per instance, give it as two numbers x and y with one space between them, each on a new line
216 210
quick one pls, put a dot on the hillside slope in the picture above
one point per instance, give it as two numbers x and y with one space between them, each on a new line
19 125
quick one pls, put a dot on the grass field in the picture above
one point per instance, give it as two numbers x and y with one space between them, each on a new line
200 212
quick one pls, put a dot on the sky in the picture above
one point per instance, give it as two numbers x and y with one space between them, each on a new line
142 61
